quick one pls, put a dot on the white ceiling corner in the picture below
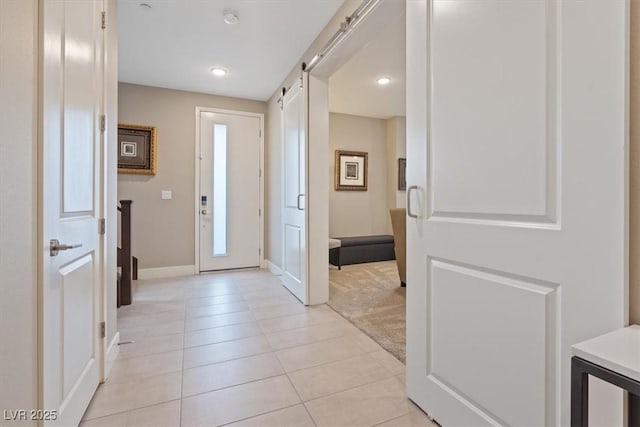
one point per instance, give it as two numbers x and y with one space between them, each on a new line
353 89
176 42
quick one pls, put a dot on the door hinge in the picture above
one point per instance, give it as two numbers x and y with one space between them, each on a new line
259 212
259 173
259 251
103 123
103 329
259 133
102 226
104 20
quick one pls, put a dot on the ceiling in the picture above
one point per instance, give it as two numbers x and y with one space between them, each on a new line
353 89
175 43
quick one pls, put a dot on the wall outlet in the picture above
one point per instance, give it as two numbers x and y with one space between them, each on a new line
166 195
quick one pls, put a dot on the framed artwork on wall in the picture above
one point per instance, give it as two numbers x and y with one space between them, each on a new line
402 174
136 149
351 171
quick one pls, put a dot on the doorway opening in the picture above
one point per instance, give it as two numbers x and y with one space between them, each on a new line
366 157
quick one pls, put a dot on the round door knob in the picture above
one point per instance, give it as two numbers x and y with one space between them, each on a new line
203 211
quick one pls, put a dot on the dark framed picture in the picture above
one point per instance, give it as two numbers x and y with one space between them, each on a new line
136 149
402 174
351 171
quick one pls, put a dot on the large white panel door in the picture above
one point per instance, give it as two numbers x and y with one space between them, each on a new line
72 96
229 190
516 123
294 259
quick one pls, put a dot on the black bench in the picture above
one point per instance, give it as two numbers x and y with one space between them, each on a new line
361 249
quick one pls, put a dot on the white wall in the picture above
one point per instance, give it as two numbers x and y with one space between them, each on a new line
273 146
359 213
156 222
18 204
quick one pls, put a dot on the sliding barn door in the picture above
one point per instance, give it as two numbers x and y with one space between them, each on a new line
516 153
294 260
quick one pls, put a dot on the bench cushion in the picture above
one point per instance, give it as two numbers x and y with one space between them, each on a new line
361 249
365 240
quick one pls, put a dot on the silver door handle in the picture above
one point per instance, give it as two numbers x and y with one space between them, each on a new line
411 188
298 202
55 247
203 211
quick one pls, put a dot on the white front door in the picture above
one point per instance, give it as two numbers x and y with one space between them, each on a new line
516 133
71 155
229 204
294 259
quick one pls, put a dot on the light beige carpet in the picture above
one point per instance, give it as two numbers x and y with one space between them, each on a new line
369 296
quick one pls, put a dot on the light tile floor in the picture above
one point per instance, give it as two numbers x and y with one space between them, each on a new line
237 349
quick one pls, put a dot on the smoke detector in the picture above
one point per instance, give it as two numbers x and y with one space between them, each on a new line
230 17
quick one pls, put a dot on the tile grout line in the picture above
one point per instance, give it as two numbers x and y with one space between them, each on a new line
235 385
297 393
353 388
347 389
229 360
302 401
184 337
258 415
272 351
323 340
164 402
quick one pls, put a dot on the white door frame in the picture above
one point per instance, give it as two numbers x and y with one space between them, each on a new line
318 141
110 188
196 211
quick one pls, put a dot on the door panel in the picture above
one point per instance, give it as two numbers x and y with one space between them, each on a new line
230 181
294 239
79 91
508 123
293 244
517 245
465 358
71 158
77 331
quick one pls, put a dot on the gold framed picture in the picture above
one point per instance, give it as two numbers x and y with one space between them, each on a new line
402 174
351 171
136 149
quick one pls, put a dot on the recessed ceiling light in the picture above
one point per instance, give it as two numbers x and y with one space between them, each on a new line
230 17
146 6
383 81
218 71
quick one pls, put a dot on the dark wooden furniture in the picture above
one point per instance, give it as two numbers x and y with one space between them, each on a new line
361 249
125 259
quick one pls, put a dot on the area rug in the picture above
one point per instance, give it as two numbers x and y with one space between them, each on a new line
369 296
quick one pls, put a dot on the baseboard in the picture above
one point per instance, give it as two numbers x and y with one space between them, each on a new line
161 272
274 269
112 355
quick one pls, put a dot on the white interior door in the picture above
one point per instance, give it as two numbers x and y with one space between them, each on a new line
294 259
516 125
72 97
229 191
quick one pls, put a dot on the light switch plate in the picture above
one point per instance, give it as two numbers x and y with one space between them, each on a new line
166 195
